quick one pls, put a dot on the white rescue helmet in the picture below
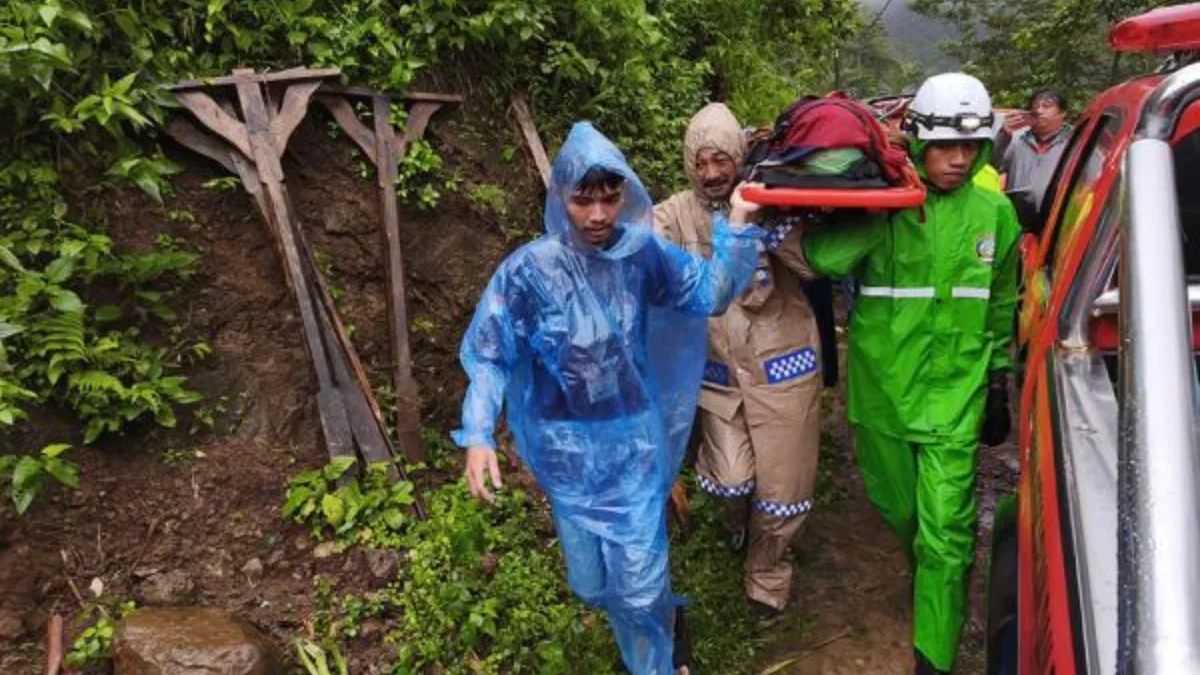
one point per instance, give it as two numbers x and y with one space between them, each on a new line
951 106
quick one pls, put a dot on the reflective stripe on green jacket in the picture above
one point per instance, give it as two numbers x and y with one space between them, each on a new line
935 312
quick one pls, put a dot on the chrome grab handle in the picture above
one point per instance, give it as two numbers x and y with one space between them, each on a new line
1158 466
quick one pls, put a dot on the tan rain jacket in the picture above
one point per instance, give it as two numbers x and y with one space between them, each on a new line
764 352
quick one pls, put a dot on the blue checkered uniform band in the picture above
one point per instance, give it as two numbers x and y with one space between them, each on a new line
776 235
716 373
783 509
717 490
791 366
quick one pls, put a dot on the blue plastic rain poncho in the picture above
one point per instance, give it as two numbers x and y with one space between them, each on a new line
597 356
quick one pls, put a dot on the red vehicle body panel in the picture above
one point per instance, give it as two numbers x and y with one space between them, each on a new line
1045 605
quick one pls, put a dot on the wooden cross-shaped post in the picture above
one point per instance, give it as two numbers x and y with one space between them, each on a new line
252 148
386 147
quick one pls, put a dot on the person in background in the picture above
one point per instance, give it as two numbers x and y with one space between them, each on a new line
1029 147
591 339
760 403
929 349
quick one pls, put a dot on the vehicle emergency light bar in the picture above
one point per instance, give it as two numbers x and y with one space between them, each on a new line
1167 29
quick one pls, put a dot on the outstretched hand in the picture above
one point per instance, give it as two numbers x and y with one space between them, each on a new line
742 210
482 464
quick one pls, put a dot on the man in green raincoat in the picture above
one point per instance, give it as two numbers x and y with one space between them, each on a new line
929 349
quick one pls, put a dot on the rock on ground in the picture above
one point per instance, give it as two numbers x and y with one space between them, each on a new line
168 588
189 640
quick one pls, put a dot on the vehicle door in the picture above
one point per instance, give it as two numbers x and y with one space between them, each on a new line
1066 401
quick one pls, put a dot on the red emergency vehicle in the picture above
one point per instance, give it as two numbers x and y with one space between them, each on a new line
1095 568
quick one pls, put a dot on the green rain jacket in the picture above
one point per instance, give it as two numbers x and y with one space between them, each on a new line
934 317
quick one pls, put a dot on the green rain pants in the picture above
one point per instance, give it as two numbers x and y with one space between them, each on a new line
926 493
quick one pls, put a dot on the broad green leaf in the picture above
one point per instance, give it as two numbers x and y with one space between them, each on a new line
138 119
338 466
188 397
60 270
54 50
296 497
8 329
394 518
55 450
71 247
128 23
9 258
92 431
150 185
64 472
165 417
49 13
65 301
333 508
22 499
78 18
106 313
122 85
26 473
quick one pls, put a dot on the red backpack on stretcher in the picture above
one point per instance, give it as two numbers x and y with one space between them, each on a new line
830 152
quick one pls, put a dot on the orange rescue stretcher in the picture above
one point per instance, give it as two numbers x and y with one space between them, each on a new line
909 195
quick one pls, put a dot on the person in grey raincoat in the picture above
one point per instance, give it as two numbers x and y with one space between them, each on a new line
592 340
760 405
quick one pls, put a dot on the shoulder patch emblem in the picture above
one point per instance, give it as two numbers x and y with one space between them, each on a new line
985 248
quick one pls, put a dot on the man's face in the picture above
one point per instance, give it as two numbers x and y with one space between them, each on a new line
1047 116
948 163
716 172
594 213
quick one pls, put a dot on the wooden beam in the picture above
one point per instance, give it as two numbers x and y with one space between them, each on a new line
408 403
364 92
343 112
418 121
365 417
262 78
532 141
291 112
212 116
330 403
187 135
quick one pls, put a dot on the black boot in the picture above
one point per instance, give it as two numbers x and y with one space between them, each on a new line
682 652
737 518
762 612
924 667
736 540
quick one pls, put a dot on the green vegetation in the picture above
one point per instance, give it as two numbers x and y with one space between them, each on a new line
25 477
81 95
372 511
94 644
482 590
1016 46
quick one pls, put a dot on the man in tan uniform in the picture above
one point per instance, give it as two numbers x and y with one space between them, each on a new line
760 403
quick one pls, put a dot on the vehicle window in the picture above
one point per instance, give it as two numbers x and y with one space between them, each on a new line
1057 177
1081 197
1187 166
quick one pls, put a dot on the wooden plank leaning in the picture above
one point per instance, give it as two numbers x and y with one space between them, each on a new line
408 399
386 148
265 154
532 141
350 415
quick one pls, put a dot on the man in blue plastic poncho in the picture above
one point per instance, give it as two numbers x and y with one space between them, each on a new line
592 338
